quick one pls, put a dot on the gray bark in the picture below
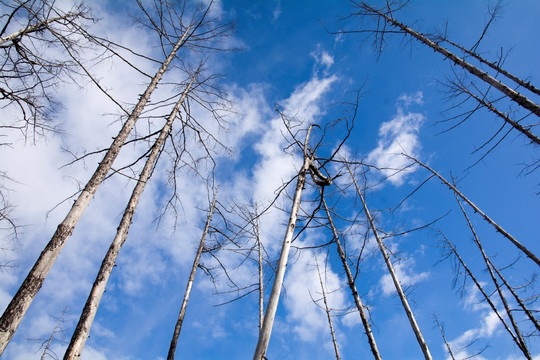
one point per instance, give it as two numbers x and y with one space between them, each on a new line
512 94
28 290
82 331
183 307
269 316
520 342
399 289
497 227
328 315
352 285
37 27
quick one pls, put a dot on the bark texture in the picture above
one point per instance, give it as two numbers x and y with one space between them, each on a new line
20 303
399 289
82 331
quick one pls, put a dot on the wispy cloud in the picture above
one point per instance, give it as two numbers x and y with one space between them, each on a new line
397 136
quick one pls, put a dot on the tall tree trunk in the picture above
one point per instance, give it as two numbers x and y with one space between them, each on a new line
510 93
521 343
82 331
268 322
328 315
178 327
399 289
260 265
497 227
34 280
352 284
486 297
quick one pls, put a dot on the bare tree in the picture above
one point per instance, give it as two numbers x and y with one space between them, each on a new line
495 225
196 260
386 16
351 282
268 322
28 75
82 330
328 312
395 279
20 303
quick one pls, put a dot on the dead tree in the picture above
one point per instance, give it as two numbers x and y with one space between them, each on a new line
385 18
18 306
328 312
452 251
183 307
495 225
395 279
351 282
268 322
28 75
82 330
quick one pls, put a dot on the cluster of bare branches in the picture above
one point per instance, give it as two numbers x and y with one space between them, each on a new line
476 82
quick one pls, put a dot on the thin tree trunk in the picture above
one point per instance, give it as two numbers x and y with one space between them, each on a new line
34 280
183 307
328 314
441 329
476 209
521 343
484 294
512 94
260 264
401 293
82 331
270 314
352 285
497 68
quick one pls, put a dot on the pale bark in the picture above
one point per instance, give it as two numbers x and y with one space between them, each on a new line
260 266
25 295
82 331
269 316
497 68
497 227
520 99
399 289
328 315
484 294
520 342
37 27
352 285
183 307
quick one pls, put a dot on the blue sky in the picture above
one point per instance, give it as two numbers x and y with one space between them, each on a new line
287 59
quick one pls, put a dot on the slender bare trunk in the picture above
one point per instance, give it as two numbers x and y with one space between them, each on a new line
82 331
260 264
521 343
399 289
270 314
183 307
352 285
34 280
328 314
512 94
484 294
476 209
497 68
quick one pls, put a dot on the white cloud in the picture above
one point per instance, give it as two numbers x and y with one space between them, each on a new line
397 136
405 274
301 285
